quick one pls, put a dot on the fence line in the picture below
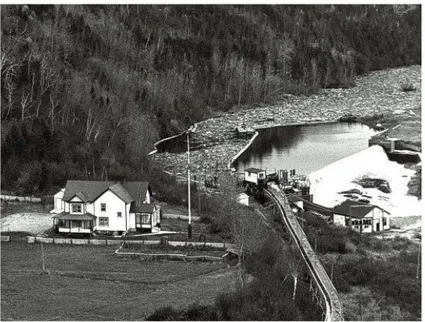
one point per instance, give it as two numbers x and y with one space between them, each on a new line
5 239
20 199
90 241
182 257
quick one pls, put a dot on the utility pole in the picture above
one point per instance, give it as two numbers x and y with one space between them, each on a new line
189 227
419 263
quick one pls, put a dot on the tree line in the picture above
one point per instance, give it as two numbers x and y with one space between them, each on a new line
87 89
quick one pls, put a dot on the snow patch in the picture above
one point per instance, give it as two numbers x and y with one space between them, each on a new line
372 162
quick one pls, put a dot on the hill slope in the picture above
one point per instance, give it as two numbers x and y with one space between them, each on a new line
85 90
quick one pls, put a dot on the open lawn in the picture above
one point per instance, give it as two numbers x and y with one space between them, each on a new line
10 208
91 283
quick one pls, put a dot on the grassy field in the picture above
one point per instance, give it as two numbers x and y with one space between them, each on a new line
91 283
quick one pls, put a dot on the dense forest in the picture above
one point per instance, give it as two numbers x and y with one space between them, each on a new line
86 90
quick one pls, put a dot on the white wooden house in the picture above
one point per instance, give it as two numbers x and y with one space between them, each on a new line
365 218
106 206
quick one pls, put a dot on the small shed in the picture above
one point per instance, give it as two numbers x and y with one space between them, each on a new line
243 199
255 175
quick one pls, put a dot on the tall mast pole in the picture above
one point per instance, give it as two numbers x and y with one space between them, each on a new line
189 227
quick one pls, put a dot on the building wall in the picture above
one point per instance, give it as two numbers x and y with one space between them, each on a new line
113 206
253 177
376 216
339 220
58 203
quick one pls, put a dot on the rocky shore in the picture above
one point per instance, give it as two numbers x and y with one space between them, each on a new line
377 94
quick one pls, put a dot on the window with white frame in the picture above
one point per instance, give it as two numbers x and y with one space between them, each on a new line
104 221
76 208
384 221
103 207
119 214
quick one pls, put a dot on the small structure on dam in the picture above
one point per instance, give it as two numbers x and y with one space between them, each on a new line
397 149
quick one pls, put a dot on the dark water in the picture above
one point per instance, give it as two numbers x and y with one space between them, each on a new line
306 148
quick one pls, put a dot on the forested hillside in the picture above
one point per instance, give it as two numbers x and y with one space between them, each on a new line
86 90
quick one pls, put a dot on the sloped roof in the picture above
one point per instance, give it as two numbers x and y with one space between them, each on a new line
88 191
82 196
254 170
144 207
137 190
356 212
121 192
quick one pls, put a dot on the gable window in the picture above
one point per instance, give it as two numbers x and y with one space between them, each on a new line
119 214
104 221
76 208
103 207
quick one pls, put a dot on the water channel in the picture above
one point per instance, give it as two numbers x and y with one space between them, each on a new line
306 148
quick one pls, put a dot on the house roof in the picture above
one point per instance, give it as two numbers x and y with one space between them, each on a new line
121 192
137 190
356 212
144 207
89 191
254 170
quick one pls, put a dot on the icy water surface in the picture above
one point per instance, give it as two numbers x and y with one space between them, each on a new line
306 148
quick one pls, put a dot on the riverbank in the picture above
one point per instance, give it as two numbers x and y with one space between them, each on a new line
379 93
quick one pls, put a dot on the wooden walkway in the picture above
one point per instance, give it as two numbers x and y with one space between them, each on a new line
327 295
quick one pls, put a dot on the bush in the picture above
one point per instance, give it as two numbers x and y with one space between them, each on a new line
166 313
408 87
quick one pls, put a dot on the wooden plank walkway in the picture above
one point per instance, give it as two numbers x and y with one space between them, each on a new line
327 291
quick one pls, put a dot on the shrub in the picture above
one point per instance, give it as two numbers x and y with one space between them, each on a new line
408 87
166 313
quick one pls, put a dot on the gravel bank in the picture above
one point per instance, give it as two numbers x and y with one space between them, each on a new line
377 93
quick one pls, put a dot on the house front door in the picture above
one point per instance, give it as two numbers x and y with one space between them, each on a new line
377 226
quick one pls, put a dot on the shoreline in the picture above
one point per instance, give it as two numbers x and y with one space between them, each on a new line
219 146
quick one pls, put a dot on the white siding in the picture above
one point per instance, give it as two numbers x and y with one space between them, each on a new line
132 221
113 206
58 203
90 208
243 199
339 220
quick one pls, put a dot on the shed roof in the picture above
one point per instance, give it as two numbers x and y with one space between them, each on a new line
254 170
356 211
144 208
